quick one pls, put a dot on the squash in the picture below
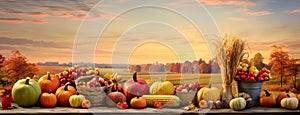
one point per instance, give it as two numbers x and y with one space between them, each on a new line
64 93
49 83
48 99
135 87
248 99
76 100
138 103
26 92
208 93
162 88
203 104
298 97
289 102
114 98
268 99
237 104
86 104
284 95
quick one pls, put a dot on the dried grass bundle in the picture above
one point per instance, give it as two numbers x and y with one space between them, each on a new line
230 52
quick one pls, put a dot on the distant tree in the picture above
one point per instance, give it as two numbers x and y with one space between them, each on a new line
18 67
176 68
137 68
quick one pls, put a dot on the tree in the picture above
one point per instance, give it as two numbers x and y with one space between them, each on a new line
17 67
279 60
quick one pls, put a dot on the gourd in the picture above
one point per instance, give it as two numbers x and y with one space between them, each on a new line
26 92
208 93
165 100
48 99
289 102
138 103
64 93
115 97
268 99
49 83
86 104
76 100
284 95
248 99
162 88
135 87
237 104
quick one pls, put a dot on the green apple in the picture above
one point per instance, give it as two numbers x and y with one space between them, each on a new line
239 68
253 69
245 69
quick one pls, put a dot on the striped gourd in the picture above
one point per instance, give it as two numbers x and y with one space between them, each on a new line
165 100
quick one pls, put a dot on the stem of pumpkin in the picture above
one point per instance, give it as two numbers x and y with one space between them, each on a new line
134 77
48 73
66 86
267 93
288 95
50 92
27 80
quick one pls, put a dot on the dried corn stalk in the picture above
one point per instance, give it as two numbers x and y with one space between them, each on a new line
229 53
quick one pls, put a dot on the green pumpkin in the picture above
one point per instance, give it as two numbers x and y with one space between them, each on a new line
238 104
76 100
162 88
26 92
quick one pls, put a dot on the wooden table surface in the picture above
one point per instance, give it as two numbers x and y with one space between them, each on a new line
171 111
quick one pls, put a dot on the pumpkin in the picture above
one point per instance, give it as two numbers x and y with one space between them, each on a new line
115 97
289 102
208 93
268 99
26 92
135 87
48 99
248 99
49 83
203 104
76 100
284 95
63 94
86 104
138 103
162 88
237 104
298 97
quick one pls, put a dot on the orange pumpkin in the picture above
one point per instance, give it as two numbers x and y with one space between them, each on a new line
49 83
138 103
48 99
203 104
86 104
284 95
63 94
268 99
298 97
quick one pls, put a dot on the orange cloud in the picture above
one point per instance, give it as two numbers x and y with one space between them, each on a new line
228 2
237 19
35 14
242 9
260 13
295 11
19 20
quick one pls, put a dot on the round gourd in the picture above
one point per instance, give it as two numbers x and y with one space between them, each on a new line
115 97
86 104
248 99
289 102
64 93
208 93
76 100
49 83
135 87
238 104
268 99
48 99
138 103
284 95
162 88
26 92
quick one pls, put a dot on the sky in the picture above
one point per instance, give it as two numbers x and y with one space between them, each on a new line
139 31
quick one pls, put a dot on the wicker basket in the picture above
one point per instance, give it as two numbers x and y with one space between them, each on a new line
186 97
95 94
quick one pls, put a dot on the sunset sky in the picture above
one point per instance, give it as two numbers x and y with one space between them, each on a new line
46 30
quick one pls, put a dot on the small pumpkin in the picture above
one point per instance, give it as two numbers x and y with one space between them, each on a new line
48 99
203 104
268 99
115 97
86 104
64 93
289 102
298 97
162 88
237 104
26 92
284 95
138 103
49 82
248 99
208 93
76 100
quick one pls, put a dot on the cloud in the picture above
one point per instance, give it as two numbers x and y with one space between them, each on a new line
295 11
19 20
34 14
260 13
237 19
244 3
28 42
